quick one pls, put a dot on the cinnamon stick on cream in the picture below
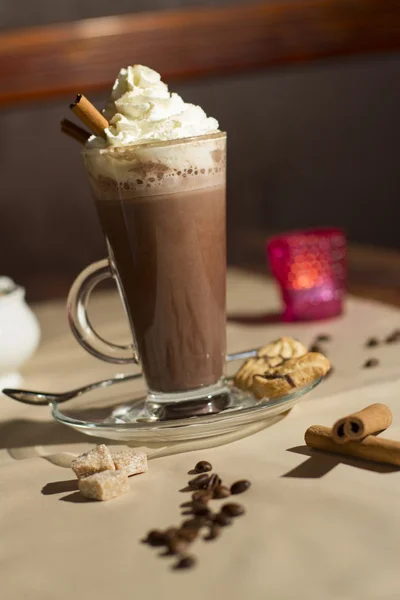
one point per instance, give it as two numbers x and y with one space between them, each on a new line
371 448
370 420
89 115
77 133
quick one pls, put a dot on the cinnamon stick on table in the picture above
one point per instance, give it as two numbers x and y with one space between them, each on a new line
371 448
339 433
89 115
372 419
77 133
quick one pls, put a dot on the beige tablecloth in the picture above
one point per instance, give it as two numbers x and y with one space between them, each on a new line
316 527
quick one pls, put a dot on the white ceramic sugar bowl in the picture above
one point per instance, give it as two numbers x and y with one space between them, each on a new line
19 332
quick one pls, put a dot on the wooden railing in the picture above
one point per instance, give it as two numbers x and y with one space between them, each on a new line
50 61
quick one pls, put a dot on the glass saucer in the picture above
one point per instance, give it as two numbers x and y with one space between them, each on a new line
122 412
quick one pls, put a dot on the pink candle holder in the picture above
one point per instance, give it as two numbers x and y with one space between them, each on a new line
311 269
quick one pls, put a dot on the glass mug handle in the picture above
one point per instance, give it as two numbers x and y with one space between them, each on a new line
81 327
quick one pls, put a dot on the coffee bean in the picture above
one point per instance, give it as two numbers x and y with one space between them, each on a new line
222 519
371 362
201 496
186 562
170 532
155 537
315 348
372 342
240 486
393 337
195 523
213 482
199 482
203 466
187 534
213 532
323 337
204 486
177 545
232 509
200 509
221 491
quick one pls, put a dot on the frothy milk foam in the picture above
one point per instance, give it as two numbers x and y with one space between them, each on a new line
152 169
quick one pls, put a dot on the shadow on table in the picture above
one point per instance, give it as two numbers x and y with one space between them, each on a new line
23 439
23 433
321 463
62 487
76 498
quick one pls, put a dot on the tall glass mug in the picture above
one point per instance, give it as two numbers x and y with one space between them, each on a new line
162 211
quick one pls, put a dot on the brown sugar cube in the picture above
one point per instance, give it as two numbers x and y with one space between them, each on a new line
96 460
104 485
130 462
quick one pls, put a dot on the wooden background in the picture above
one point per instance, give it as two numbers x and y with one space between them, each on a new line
186 44
308 92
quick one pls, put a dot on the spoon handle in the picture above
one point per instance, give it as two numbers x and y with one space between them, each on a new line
43 398
30 397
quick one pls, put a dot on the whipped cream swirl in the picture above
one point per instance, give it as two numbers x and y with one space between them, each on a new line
142 110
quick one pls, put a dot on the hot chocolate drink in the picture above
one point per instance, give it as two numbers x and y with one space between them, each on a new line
161 204
169 252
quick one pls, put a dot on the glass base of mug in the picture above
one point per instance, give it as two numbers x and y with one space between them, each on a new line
203 393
